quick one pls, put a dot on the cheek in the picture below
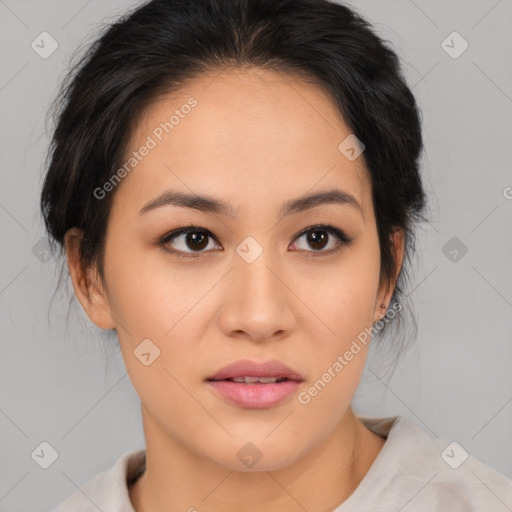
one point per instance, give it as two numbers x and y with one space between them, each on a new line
346 300
345 303
337 356
148 295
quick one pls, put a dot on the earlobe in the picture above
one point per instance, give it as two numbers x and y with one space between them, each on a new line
87 283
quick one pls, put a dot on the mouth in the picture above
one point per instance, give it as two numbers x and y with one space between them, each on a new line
250 372
253 380
254 395
254 385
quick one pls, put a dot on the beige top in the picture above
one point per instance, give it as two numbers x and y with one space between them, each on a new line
412 473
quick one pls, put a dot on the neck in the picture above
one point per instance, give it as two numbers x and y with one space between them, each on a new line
176 478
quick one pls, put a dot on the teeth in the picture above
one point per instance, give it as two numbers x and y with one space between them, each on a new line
250 380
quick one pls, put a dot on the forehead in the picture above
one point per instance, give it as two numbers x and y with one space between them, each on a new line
235 132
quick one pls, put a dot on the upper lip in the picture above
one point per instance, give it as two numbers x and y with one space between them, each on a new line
248 368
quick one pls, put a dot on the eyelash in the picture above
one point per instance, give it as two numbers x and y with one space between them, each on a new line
343 238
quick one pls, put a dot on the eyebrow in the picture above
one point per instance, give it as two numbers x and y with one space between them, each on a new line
209 204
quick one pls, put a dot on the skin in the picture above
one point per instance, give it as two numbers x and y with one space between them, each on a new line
256 139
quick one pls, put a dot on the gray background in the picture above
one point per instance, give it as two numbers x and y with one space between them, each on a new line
63 385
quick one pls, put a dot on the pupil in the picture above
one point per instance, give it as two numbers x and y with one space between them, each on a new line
197 238
315 240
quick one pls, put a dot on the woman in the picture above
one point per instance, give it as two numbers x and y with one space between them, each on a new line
235 185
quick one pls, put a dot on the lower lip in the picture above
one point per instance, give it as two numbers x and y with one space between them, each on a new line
257 395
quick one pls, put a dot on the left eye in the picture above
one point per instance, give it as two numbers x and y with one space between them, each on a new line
318 237
196 238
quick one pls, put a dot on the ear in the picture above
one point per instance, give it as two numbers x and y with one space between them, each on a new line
384 296
87 283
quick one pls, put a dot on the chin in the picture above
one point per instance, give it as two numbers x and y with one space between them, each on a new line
252 457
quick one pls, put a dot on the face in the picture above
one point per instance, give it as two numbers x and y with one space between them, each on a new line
251 280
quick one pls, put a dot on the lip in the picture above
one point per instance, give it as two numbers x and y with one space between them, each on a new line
246 367
255 395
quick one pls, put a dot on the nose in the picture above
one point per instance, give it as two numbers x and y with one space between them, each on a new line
257 300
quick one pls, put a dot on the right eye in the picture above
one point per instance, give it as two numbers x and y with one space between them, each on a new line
190 237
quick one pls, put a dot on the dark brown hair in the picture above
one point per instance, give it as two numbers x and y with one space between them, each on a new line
159 46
